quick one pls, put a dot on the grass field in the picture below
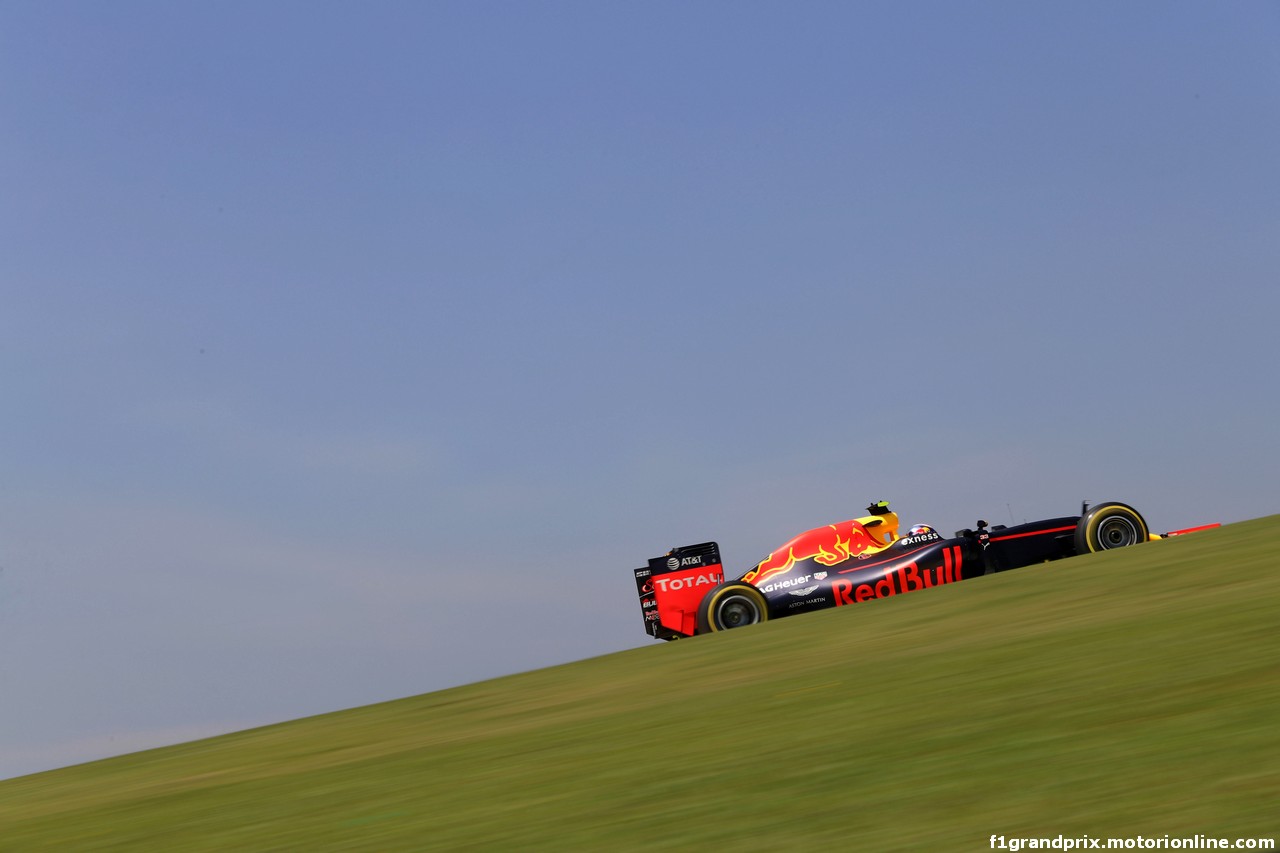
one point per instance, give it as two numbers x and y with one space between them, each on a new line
1134 692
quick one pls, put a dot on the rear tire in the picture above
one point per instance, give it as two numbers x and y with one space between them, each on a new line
732 605
1108 526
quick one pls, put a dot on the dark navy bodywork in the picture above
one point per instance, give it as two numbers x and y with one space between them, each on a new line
686 591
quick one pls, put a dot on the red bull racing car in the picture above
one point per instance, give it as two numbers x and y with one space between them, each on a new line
684 592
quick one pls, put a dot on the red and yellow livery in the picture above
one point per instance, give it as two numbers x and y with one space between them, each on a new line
684 592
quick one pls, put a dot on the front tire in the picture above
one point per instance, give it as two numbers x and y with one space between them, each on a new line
732 605
1108 526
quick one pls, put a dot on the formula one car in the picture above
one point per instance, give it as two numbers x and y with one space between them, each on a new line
684 593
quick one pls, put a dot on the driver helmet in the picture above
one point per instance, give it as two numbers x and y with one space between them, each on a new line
920 530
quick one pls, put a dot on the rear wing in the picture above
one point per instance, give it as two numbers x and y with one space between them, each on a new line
672 586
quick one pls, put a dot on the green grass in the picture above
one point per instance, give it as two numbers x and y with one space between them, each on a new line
1134 692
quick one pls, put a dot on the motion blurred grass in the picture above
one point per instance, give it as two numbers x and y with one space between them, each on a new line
1135 692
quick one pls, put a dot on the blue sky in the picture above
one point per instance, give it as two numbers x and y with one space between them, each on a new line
353 351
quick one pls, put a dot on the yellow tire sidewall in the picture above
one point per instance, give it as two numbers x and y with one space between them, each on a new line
1091 531
745 590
